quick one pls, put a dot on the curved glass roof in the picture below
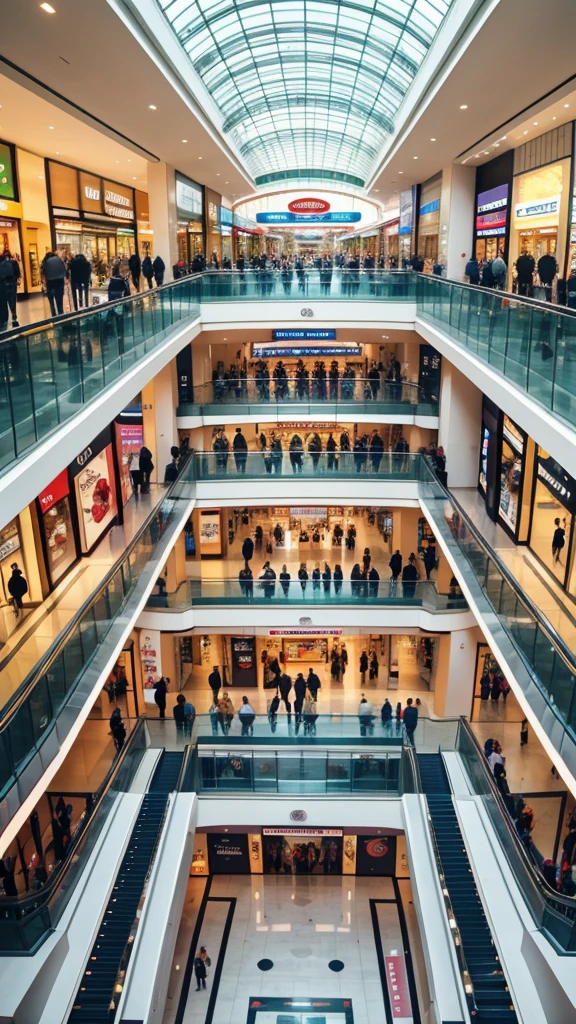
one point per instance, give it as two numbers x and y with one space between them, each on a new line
310 84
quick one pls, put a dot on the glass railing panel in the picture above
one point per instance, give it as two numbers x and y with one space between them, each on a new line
270 285
291 397
291 729
564 391
296 771
385 466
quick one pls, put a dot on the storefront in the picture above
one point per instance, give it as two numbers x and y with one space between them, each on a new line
10 210
488 470
389 243
407 225
93 486
491 223
91 215
58 535
144 230
129 438
246 238
554 508
503 479
512 460
190 213
18 550
212 203
429 222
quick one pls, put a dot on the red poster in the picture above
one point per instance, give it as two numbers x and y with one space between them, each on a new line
58 489
397 982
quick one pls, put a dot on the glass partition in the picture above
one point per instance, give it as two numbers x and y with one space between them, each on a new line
293 397
378 464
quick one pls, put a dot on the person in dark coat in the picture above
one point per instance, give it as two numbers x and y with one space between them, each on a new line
160 692
17 586
9 278
159 267
525 269
200 972
395 564
373 582
148 271
410 719
313 683
429 560
363 667
338 578
135 267
145 466
54 273
240 448
215 682
118 287
386 712
487 277
472 271
285 578
410 577
299 694
80 273
285 685
247 549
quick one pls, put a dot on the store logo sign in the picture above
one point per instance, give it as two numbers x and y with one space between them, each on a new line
115 197
92 193
308 206
540 208
82 459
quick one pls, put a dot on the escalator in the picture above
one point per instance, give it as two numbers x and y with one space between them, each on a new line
491 994
93 999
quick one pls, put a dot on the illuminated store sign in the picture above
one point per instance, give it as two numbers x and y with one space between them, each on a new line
327 335
348 217
493 199
92 193
492 212
539 208
308 206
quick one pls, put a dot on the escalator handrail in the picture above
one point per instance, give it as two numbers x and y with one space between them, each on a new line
563 650
19 904
454 932
544 890
42 666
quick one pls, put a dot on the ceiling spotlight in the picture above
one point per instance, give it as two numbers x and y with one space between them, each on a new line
504 137
525 132
117 161
184 140
566 104
128 161
199 157
133 177
41 177
496 145
57 152
463 106
535 123
553 118
217 174
227 183
432 140
48 8
376 189
400 172
151 107
51 127
415 157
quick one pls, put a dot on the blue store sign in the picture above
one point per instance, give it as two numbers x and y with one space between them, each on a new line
350 217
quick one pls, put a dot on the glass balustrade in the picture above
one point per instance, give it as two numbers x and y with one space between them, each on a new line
34 709
291 397
259 592
269 285
376 464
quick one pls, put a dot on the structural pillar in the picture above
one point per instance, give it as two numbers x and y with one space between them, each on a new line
163 215
453 672
159 402
460 426
457 212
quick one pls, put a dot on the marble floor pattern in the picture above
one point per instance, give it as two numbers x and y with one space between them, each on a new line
301 924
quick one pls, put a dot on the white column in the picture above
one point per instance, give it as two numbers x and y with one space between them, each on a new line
453 672
159 401
460 425
163 216
456 218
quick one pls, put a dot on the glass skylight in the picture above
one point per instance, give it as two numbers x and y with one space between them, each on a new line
310 84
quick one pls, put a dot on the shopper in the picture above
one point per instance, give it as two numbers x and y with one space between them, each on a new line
338 577
374 667
118 287
373 582
332 448
299 694
310 715
303 576
9 278
247 550
326 578
285 685
146 467
135 266
54 273
410 577
159 267
161 690
495 688
201 964
179 715
148 271
386 712
215 682
486 276
80 272
247 717
558 539
429 559
17 587
366 717
525 266
285 578
246 580
313 683
119 735
225 713
363 667
500 271
410 719
395 564
240 448
472 271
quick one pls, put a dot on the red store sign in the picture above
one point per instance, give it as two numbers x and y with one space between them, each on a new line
57 490
308 205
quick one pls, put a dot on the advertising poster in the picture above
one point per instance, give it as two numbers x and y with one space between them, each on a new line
129 440
243 661
302 851
376 855
228 853
398 988
57 524
511 466
150 660
483 476
210 533
95 497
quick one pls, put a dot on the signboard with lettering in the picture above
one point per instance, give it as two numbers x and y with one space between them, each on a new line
7 177
538 208
398 990
228 853
320 334
308 206
345 217
118 201
296 352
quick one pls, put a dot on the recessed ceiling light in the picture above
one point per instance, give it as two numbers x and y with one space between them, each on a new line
117 161
496 145
415 157
217 174
400 172
535 123
41 177
48 8
184 140
129 161
51 127
151 107
525 132
133 177
376 189
463 106
553 118
566 104
227 183
57 152
432 140
504 137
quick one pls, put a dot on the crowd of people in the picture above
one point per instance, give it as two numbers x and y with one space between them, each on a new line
364 453
558 876
530 278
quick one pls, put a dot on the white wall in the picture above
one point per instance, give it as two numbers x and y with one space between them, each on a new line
163 217
457 213
275 810
288 313
460 426
288 618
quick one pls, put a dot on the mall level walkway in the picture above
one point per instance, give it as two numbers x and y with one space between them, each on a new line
539 585
30 642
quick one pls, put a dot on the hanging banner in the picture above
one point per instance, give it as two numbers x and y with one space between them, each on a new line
151 660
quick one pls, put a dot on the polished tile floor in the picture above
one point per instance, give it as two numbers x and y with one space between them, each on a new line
301 924
40 628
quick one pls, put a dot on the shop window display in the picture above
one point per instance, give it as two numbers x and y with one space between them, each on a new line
553 512
59 540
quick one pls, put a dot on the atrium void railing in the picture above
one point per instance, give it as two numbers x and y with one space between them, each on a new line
33 711
331 593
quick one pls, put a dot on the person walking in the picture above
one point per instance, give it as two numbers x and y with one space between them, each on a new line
247 550
159 268
472 271
285 685
299 694
285 578
500 271
326 578
240 449
148 271
338 577
215 682
80 273
410 719
179 716
374 667
313 683
558 539
17 587
395 564
410 577
118 287
386 713
9 277
225 713
135 267
366 717
373 582
303 576
54 273
363 667
247 717
429 560
146 467
201 964
161 690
